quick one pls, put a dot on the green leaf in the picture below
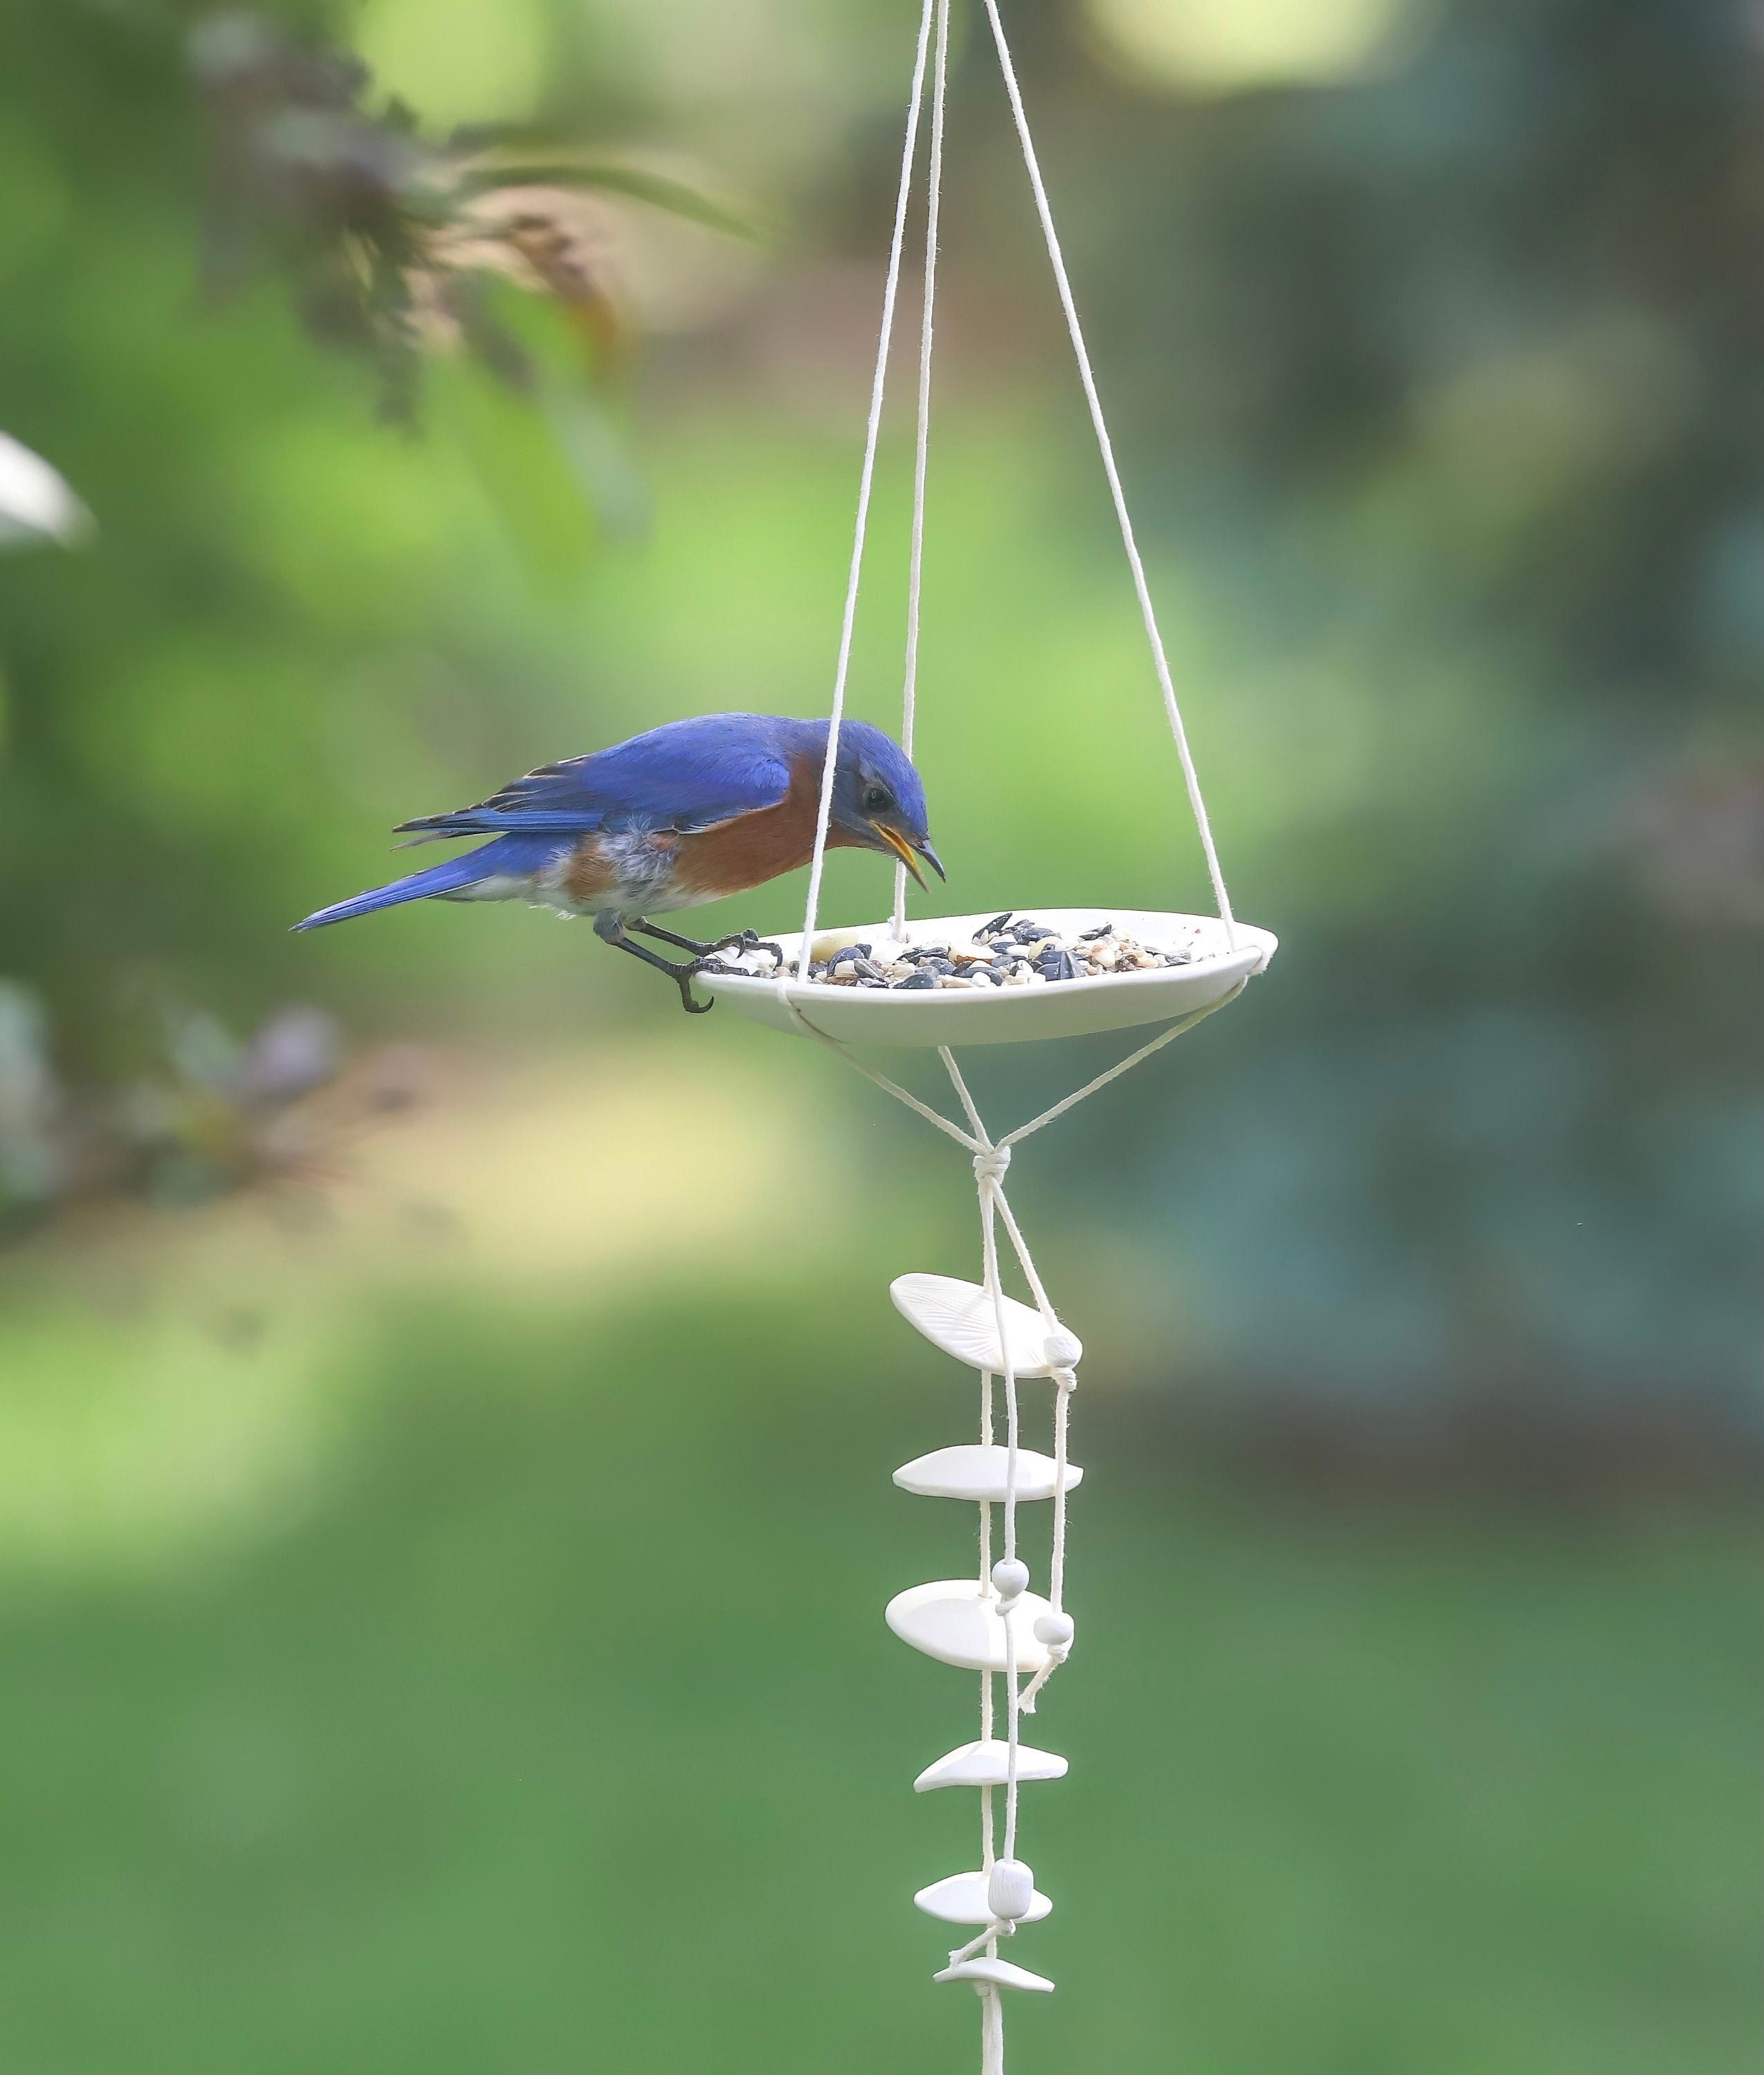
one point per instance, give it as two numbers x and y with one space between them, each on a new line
658 190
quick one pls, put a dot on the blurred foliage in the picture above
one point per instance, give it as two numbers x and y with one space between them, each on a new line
394 243
1440 404
1430 331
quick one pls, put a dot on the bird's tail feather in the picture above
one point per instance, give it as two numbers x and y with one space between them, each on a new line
509 856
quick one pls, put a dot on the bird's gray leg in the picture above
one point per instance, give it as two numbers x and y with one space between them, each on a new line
743 940
611 930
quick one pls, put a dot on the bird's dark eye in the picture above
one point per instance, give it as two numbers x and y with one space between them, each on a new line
877 799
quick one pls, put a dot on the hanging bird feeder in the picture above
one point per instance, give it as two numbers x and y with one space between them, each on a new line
1184 967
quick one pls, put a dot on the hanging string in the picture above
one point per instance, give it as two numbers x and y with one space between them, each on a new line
1051 237
978 1142
991 1158
921 448
865 480
992 2031
1126 1065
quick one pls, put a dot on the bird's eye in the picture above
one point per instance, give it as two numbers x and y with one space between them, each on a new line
877 799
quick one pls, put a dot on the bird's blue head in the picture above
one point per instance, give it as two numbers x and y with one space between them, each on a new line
878 799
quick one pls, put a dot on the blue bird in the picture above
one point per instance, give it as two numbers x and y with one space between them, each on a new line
684 814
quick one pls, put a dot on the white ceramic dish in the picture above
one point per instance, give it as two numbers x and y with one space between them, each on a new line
1006 1015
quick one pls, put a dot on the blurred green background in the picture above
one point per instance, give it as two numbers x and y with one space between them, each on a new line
447 1400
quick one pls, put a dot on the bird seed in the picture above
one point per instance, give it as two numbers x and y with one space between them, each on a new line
1003 953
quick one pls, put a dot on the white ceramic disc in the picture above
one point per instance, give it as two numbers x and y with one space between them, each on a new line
1007 1015
986 1764
961 1898
994 1974
948 1620
959 1318
978 1473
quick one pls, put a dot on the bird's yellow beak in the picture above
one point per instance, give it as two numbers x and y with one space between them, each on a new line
902 850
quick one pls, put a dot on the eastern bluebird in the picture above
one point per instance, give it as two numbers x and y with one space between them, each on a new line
684 814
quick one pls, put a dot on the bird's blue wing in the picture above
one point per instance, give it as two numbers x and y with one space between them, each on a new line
689 775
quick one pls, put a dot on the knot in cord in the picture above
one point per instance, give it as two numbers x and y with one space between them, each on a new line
990 1164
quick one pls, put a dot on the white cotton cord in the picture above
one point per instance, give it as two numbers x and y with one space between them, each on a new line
1020 1245
967 1100
1065 1383
916 565
995 1289
1126 1065
1105 446
1025 1701
989 1194
987 1852
1012 1713
992 2031
865 480
1000 1927
882 1081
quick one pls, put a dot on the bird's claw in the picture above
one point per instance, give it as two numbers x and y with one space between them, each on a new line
688 974
748 940
685 975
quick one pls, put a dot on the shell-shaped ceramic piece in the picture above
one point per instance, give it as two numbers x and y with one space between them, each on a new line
977 1472
987 1764
1006 1015
950 1620
963 1898
994 1974
960 1318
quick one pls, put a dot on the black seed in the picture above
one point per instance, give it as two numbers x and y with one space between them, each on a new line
1089 936
1030 933
992 929
917 979
868 969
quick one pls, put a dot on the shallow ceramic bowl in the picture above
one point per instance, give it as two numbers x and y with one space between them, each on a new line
1007 1015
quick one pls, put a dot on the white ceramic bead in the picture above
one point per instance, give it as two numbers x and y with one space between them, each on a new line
950 1620
977 1472
1010 1577
984 1973
1062 1351
1010 1891
961 1319
967 1899
1054 1629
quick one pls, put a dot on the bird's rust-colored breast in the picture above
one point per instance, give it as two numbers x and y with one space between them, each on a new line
753 848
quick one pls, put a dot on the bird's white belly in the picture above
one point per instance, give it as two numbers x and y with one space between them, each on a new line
640 871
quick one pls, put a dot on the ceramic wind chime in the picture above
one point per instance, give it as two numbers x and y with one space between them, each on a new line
1059 973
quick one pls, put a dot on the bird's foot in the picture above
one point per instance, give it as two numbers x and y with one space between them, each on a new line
681 972
742 940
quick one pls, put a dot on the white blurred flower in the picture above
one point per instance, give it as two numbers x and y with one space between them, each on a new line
36 503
